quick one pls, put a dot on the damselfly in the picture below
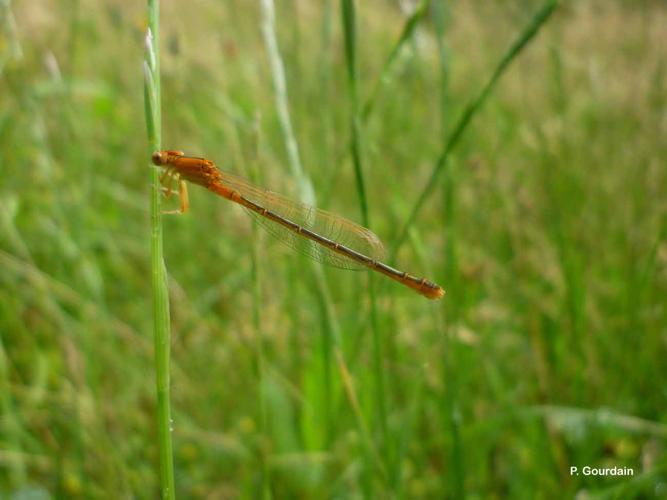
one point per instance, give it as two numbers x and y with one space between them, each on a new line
321 235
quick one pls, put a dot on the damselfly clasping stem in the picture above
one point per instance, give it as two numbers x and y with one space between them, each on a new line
320 235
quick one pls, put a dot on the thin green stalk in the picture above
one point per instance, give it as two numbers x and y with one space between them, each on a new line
326 349
440 23
349 33
451 413
330 329
448 316
367 442
406 435
8 29
324 73
385 75
161 326
470 111
261 376
408 29
449 181
256 271
280 86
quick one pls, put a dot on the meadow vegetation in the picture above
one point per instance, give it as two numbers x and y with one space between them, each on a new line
547 229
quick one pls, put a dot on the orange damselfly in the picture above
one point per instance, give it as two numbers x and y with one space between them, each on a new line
321 235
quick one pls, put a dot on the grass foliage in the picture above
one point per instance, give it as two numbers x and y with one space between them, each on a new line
546 224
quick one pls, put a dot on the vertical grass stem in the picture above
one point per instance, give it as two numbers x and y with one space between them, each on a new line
161 326
350 38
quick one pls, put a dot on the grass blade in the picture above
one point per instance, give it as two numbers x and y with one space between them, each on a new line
348 17
161 326
409 28
471 110
349 32
331 332
281 100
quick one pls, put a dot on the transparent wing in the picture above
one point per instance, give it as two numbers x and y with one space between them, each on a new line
326 224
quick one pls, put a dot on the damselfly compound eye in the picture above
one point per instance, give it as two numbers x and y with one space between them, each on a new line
157 158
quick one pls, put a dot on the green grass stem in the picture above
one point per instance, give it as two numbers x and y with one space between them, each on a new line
470 111
260 360
350 38
282 102
450 414
330 336
440 24
385 75
161 325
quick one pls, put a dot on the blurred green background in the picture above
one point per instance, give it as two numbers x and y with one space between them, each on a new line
547 230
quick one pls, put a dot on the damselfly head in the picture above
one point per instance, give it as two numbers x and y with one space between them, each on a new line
162 158
159 158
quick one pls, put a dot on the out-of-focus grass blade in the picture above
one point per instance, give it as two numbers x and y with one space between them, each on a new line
349 34
567 417
526 36
350 37
409 28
